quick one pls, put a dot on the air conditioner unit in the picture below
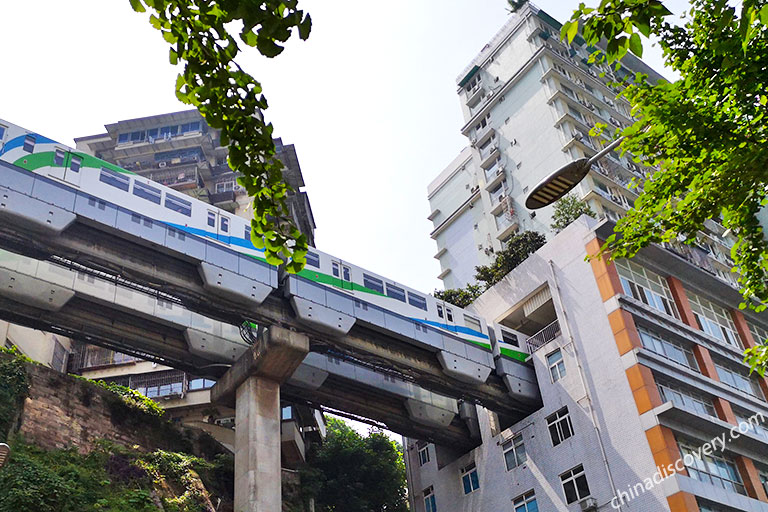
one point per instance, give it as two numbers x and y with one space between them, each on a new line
588 505
499 171
473 142
162 164
239 188
578 136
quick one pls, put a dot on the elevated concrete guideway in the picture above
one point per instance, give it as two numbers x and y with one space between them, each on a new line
86 268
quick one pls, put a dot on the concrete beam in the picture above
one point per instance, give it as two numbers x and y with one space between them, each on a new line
275 356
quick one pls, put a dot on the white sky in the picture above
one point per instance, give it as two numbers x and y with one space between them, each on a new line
369 101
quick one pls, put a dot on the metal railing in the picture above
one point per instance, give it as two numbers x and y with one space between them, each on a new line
543 337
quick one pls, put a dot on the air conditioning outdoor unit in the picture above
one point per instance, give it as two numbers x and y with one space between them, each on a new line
499 171
162 164
588 505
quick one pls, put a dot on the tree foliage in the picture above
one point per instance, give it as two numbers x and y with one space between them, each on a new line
231 100
461 297
516 251
704 133
358 474
566 210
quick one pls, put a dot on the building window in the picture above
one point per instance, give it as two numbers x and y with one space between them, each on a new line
646 286
575 484
469 480
286 413
764 479
59 358
200 383
424 455
429 500
313 259
560 426
686 399
739 381
755 427
556 365
417 301
714 320
29 143
718 470
373 283
146 192
669 349
124 138
759 334
514 452
225 186
115 179
395 292
525 503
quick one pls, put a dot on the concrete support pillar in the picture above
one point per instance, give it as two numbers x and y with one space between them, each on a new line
252 387
257 446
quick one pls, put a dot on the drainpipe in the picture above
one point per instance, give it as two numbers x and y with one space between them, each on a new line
593 418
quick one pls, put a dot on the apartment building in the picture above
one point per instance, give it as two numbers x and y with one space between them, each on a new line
529 102
640 365
182 152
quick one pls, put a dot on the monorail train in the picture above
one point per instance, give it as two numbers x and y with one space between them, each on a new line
102 179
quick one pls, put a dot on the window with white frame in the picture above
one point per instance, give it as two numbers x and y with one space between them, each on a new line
469 479
714 320
429 500
423 455
514 452
525 503
718 470
738 380
556 365
674 350
646 286
225 186
759 334
560 426
575 484
686 399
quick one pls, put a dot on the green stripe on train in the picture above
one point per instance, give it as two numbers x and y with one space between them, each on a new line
319 277
36 161
514 354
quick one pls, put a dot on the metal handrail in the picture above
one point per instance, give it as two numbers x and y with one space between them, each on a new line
544 336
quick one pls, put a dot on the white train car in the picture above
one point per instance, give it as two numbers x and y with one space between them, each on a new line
157 203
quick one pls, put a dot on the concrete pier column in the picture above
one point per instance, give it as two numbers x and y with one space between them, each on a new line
257 446
252 387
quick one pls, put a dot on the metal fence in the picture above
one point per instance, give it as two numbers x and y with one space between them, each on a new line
543 337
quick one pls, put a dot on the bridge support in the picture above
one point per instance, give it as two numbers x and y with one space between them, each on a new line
252 387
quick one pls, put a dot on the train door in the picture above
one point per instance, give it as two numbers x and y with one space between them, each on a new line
343 273
445 313
218 226
59 165
72 168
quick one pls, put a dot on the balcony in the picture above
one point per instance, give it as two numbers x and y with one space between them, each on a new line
488 155
506 225
178 180
475 95
494 176
544 336
223 199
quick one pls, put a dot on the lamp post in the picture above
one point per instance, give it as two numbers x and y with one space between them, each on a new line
563 180
5 451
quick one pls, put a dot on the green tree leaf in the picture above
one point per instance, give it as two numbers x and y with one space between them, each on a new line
635 45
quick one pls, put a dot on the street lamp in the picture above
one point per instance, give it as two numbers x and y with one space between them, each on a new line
5 450
563 180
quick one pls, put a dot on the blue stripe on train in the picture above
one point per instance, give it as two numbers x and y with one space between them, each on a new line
19 141
231 240
455 328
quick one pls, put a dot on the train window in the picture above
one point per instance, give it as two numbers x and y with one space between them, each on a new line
146 192
449 314
212 219
313 259
395 292
74 163
2 132
373 283
114 179
417 301
509 338
225 224
58 157
29 143
335 269
472 323
247 233
178 204
440 311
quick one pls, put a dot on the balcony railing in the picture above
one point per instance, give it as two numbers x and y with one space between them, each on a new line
543 337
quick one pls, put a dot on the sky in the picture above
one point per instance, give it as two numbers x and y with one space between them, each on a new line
369 101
